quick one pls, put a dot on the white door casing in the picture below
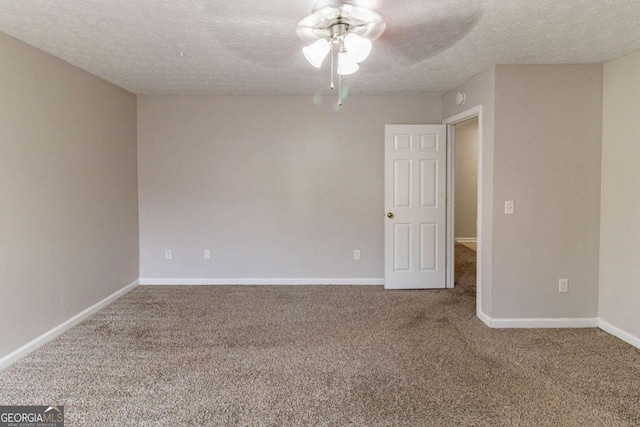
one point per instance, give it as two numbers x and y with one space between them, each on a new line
415 206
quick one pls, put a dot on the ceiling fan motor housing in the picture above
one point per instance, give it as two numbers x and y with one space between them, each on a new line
330 18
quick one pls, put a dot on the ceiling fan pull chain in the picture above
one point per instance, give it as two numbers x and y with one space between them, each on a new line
339 90
331 66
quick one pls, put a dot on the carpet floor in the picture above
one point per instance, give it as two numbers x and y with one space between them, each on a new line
465 269
323 355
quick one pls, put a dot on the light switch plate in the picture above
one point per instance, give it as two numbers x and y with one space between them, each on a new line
356 254
207 254
509 207
168 254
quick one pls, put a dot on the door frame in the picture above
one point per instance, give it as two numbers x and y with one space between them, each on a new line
450 236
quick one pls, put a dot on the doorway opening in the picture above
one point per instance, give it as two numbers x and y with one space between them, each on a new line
465 198
470 121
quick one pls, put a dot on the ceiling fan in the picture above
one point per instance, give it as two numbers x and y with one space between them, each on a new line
342 26
344 30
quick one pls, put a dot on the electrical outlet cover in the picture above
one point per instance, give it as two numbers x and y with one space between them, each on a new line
563 285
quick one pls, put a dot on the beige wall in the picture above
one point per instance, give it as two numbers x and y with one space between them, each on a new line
547 159
68 198
543 151
466 179
275 186
620 217
480 91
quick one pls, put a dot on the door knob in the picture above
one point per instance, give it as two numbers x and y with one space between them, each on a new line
390 215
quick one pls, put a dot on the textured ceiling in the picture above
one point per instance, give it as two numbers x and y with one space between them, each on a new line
251 47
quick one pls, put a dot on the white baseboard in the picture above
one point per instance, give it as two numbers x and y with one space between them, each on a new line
623 335
18 354
485 319
594 322
261 281
466 239
524 323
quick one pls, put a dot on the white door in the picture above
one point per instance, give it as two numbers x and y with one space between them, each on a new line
415 206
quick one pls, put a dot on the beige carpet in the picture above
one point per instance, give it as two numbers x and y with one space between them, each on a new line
465 269
322 355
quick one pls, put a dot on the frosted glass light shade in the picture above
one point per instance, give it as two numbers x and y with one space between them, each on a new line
358 47
316 52
346 64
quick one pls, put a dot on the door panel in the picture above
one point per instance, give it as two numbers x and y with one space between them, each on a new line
428 184
415 192
402 247
428 247
402 183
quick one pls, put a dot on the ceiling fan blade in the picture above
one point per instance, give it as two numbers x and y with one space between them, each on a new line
401 46
311 34
369 31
